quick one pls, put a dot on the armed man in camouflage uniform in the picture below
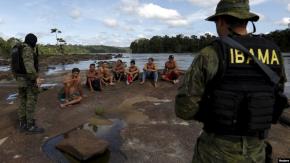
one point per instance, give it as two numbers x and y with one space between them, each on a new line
228 93
27 79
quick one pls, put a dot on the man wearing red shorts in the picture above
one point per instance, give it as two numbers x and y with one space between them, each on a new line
171 72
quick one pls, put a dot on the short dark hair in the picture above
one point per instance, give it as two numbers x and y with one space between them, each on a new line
120 60
30 39
171 57
151 59
132 61
75 70
93 65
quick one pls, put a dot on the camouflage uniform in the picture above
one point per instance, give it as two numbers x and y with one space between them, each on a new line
210 147
27 87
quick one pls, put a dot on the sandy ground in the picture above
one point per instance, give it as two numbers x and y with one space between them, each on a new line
153 134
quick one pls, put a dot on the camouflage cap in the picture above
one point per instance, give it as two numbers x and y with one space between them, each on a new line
237 8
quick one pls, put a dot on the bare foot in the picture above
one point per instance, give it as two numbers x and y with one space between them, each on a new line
142 82
155 84
112 83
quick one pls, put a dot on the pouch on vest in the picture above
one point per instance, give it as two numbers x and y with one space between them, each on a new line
17 65
260 107
225 105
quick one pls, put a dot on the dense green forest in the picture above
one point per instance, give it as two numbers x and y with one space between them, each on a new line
183 44
6 45
157 44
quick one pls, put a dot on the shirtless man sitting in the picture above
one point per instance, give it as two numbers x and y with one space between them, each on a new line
93 78
171 72
150 70
72 88
132 72
119 70
107 77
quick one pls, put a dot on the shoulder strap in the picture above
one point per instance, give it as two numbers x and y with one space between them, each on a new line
274 78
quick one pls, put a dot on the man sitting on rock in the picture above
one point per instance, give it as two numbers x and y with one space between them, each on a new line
107 77
93 79
150 71
72 88
171 72
119 70
132 73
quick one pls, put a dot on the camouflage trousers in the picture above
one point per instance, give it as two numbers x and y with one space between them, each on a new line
211 148
28 99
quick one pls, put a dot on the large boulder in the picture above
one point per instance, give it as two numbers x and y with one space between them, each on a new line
82 145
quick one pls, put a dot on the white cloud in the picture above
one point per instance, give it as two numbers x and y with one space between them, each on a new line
111 22
154 11
284 21
213 3
75 13
129 5
177 22
204 3
288 7
170 17
257 2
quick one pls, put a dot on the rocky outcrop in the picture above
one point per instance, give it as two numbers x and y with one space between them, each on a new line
82 145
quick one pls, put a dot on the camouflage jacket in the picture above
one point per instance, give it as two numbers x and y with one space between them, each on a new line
202 69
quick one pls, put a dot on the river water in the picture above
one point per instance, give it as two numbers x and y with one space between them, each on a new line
183 60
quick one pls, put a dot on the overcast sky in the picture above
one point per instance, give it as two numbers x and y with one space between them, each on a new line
119 22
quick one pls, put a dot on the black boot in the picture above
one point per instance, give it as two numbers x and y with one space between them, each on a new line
22 125
33 129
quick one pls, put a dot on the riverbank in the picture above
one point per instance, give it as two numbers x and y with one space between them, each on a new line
153 133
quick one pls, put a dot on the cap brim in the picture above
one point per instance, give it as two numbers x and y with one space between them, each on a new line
245 16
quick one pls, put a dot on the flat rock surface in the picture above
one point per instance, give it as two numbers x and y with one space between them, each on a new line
153 132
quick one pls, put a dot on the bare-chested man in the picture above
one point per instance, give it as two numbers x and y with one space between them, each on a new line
72 88
93 79
119 70
132 72
171 72
150 70
107 77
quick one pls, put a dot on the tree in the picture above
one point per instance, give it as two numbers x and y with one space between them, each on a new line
56 31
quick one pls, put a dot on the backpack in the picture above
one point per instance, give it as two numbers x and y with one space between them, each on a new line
17 65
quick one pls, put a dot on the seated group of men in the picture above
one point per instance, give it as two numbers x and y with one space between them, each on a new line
104 76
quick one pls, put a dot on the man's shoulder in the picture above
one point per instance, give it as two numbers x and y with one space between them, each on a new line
26 48
208 50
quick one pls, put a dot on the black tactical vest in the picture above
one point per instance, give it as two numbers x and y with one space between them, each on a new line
240 99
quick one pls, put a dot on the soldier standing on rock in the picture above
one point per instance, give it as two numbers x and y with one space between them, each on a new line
229 92
25 69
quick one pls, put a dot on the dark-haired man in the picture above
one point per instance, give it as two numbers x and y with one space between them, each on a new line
171 72
150 70
229 92
132 72
26 74
72 88
93 79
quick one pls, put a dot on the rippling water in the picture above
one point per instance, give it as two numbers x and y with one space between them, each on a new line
183 60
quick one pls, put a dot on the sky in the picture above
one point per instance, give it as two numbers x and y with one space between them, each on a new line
119 22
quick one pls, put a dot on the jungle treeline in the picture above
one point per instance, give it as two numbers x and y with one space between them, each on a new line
189 44
60 49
